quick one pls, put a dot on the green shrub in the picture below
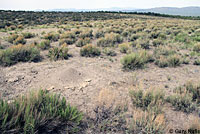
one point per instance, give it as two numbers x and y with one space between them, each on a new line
169 61
149 100
52 36
109 52
144 43
134 37
37 113
196 47
28 35
197 62
161 62
135 60
82 42
19 53
86 34
157 42
182 102
124 47
193 89
109 40
90 50
56 53
44 45
12 38
20 40
99 34
174 60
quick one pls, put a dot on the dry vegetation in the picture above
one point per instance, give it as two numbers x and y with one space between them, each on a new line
133 54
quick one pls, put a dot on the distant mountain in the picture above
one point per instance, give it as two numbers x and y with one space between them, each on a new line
97 9
185 11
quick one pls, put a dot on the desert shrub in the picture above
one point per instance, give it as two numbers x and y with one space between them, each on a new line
196 47
52 36
109 40
108 120
99 34
174 60
109 52
197 61
134 37
149 100
154 34
19 53
86 34
20 40
157 42
90 50
143 43
161 62
39 112
136 60
82 42
68 38
44 44
148 123
28 35
169 61
182 37
190 88
124 47
12 38
182 102
164 51
57 53
125 34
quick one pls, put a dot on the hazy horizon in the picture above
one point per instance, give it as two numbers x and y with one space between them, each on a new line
93 4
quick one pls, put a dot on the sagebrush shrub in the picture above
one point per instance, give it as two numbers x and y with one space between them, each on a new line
57 53
124 47
19 53
28 35
136 60
90 50
82 42
109 40
44 44
109 52
149 100
37 113
182 102
52 36
196 47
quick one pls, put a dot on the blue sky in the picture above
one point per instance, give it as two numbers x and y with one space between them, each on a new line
92 4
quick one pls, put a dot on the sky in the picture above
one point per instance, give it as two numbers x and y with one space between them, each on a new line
92 4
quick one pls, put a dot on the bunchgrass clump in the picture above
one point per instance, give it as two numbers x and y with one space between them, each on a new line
90 50
19 53
39 112
148 123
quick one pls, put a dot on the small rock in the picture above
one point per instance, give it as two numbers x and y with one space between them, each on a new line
14 79
88 80
51 88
